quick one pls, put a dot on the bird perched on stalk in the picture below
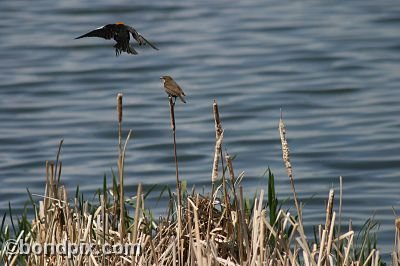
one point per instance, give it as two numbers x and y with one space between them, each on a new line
120 32
173 89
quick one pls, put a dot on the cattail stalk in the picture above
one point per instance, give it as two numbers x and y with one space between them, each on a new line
120 166
172 113
119 112
219 134
218 130
178 183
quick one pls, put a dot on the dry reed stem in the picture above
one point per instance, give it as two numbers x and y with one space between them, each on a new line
396 246
340 204
288 165
330 237
218 133
217 154
136 219
243 225
329 220
286 160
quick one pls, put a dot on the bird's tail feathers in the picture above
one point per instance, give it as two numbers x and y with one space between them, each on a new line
131 50
182 98
119 48
142 40
145 41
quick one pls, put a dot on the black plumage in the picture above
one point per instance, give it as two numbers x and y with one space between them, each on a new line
120 32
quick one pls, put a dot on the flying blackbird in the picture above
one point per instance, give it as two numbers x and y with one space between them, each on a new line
172 88
120 33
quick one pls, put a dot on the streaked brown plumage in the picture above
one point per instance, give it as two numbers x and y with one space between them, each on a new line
120 32
172 88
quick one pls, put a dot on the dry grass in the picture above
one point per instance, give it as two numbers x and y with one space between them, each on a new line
222 228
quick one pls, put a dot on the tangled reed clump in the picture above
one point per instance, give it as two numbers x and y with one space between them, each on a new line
222 228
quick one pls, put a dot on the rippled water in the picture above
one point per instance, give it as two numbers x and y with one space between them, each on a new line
332 66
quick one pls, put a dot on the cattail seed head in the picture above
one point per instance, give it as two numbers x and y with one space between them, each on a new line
217 152
119 107
230 167
218 126
329 209
285 148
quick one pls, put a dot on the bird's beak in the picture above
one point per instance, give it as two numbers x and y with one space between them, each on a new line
161 77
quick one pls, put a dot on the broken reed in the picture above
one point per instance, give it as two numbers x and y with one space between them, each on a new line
202 231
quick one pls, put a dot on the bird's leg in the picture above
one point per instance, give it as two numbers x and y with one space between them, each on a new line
117 51
174 100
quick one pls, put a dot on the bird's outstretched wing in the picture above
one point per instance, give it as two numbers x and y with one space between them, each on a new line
105 32
139 38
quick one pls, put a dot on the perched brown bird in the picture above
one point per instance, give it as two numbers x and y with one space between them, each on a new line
172 88
120 32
